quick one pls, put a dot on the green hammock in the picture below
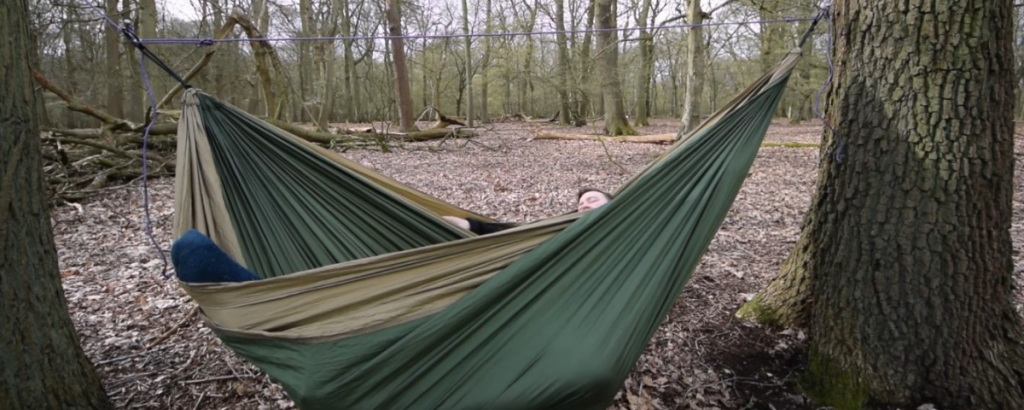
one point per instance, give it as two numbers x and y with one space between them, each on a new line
372 301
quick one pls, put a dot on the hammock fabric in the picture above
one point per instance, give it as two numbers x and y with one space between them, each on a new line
371 301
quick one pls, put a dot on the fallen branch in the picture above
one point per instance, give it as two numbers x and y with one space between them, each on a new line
646 139
192 313
74 104
210 379
307 134
444 121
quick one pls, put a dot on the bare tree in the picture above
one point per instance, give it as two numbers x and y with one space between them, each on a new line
564 112
607 44
112 41
695 51
469 64
402 93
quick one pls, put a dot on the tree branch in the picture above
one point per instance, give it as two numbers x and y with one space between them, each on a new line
74 104
221 33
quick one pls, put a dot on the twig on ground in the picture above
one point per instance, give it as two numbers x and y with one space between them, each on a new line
172 330
210 379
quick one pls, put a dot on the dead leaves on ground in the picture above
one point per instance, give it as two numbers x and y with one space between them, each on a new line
121 305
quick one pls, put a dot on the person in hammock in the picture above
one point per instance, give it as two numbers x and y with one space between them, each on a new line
587 199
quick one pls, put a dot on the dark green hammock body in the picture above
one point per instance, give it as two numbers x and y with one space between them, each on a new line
558 327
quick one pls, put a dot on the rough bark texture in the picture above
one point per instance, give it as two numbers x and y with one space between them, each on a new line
402 93
614 110
907 249
43 366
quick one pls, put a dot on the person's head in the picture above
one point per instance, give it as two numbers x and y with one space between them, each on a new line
589 198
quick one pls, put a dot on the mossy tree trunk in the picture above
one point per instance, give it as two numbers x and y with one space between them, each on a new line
42 365
608 46
904 269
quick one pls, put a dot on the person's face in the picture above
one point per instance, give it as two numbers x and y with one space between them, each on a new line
590 200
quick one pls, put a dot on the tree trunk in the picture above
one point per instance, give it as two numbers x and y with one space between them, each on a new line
469 64
425 91
564 112
402 93
439 75
133 110
349 61
643 81
614 110
526 75
694 86
485 115
327 109
112 43
218 66
44 366
305 58
586 69
146 30
69 61
906 250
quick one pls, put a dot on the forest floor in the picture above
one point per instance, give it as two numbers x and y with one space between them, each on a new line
151 351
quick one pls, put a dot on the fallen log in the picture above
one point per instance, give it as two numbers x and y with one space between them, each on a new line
164 128
330 138
645 139
444 121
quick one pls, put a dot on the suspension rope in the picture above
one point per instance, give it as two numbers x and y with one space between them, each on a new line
144 54
210 41
826 11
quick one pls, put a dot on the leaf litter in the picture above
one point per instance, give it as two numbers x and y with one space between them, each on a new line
153 352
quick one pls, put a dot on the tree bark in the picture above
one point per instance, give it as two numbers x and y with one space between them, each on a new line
305 58
44 366
112 43
402 93
564 112
906 250
526 75
614 110
586 69
643 81
469 63
485 115
349 62
694 85
146 30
